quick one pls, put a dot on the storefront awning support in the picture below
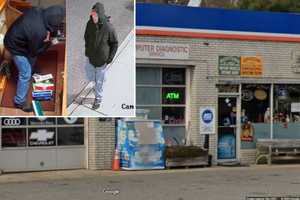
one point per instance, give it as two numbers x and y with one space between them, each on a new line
271 110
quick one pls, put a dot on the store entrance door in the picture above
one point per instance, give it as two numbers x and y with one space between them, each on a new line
227 128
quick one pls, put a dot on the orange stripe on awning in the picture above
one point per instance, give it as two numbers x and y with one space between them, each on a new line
216 36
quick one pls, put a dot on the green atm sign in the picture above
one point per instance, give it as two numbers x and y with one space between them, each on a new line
172 96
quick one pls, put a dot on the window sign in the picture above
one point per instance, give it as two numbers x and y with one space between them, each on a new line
207 120
11 121
247 95
173 95
41 137
70 120
296 61
41 121
251 66
173 76
229 65
295 107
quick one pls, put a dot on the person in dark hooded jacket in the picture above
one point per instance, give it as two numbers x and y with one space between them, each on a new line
101 45
28 37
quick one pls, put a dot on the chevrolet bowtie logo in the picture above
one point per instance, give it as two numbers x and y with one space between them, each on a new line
42 135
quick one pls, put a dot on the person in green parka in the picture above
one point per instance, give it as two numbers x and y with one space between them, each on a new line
101 45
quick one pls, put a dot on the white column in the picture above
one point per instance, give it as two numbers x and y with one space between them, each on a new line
238 123
271 110
86 141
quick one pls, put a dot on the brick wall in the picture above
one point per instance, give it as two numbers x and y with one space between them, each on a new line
101 143
248 156
277 68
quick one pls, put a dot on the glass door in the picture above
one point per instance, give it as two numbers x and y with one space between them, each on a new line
227 128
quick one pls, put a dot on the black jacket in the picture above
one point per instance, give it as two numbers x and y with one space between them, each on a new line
101 41
26 35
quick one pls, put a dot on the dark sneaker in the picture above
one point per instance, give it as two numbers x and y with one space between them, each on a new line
26 107
96 104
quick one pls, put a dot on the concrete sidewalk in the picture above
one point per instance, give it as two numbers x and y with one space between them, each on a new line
118 87
85 174
122 18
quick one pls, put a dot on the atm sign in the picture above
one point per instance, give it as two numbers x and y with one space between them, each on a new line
173 96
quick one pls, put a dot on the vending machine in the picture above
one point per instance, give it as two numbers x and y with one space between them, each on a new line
141 144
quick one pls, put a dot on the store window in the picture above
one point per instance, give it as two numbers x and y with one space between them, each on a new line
41 132
148 76
286 111
256 98
13 137
162 92
173 115
70 136
255 114
148 95
12 134
153 112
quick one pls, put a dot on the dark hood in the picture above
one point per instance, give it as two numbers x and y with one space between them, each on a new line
99 8
53 17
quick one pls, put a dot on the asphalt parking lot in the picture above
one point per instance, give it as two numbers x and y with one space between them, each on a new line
188 184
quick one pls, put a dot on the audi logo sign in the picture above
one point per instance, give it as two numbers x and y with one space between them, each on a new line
11 122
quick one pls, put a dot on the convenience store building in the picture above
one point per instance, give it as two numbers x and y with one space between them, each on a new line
214 81
219 78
